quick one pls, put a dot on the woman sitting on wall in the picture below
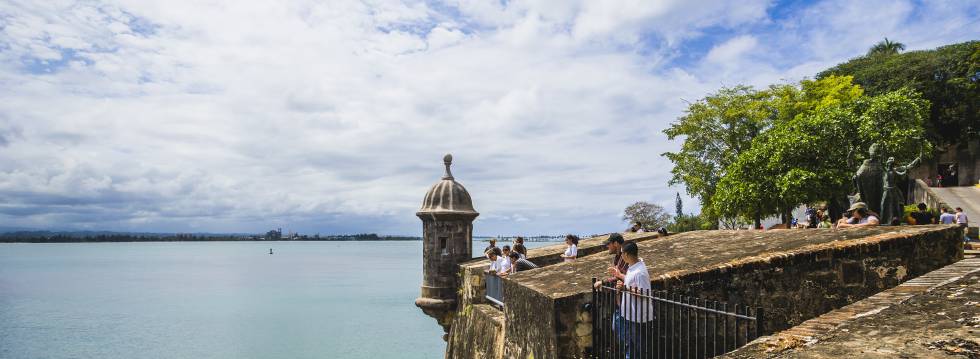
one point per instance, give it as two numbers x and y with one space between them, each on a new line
860 217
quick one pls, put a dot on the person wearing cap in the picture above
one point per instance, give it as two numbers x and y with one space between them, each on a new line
617 273
860 217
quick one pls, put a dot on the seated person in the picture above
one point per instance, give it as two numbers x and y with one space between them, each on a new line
860 217
922 216
637 227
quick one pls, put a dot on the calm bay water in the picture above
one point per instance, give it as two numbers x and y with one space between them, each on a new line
215 300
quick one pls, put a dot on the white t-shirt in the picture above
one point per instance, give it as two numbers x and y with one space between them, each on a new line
497 265
864 220
635 308
504 265
947 218
961 218
571 251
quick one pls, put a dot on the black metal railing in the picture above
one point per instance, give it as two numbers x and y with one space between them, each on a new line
657 324
495 288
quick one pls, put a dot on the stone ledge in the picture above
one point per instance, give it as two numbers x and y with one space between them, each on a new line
713 253
796 341
548 255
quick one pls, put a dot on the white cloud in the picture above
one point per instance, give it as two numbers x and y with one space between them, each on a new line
731 50
334 116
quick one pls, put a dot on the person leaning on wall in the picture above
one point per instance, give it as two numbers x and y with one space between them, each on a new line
859 217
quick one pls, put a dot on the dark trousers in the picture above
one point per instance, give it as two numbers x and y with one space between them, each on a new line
641 339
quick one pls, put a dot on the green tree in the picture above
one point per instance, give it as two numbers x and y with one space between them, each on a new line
649 215
715 129
948 77
678 205
811 157
748 191
886 47
685 223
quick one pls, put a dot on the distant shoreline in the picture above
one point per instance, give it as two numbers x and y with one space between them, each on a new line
51 237
119 237
208 240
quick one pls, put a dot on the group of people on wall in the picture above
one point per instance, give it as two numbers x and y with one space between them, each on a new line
627 273
859 215
507 260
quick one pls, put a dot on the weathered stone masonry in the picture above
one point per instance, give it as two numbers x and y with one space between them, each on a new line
794 274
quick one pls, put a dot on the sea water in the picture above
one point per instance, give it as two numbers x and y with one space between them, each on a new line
215 300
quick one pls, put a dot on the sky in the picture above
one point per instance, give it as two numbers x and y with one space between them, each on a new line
333 116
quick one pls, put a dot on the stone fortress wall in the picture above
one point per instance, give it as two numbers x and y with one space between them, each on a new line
794 275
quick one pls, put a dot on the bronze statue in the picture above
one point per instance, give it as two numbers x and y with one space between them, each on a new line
892 199
868 179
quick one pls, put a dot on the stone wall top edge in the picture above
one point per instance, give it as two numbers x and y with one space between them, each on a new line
559 247
834 247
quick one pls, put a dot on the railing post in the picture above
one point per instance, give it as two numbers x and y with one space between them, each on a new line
759 322
714 330
724 333
595 319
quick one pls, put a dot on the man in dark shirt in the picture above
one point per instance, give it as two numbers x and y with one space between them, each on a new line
520 264
519 246
923 216
617 273
493 244
618 269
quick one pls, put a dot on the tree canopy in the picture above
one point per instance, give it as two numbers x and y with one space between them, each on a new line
716 130
948 77
649 215
809 137
748 154
886 47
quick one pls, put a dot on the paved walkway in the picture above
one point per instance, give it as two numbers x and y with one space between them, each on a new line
967 198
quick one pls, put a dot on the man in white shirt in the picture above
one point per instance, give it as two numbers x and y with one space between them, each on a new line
637 309
496 262
505 261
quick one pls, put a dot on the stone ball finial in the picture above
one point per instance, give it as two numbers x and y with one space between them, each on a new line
448 160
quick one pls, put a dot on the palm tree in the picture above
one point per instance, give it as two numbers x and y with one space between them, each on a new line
886 47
